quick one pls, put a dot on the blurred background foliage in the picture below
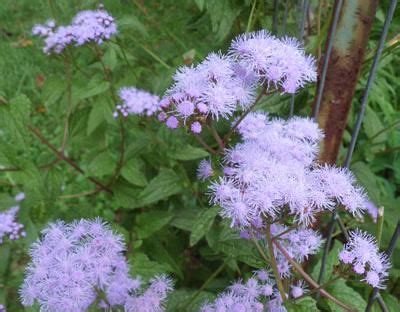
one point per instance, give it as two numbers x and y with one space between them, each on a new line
156 201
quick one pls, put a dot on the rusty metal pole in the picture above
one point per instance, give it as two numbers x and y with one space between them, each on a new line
349 45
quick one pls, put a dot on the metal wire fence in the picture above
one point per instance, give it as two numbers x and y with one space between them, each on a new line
335 217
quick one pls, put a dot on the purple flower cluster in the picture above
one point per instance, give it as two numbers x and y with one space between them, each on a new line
2 308
86 26
362 252
221 83
205 170
137 102
300 243
281 62
76 264
274 170
9 227
259 293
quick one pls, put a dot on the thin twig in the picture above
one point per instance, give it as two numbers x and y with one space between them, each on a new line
80 194
198 292
68 160
205 145
237 123
273 263
217 137
309 279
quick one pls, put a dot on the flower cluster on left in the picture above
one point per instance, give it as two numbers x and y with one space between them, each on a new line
79 264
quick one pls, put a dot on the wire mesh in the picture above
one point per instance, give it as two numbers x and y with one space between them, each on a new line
335 218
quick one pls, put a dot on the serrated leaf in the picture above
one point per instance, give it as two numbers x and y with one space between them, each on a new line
188 153
165 184
203 223
150 222
99 113
306 304
144 267
132 172
367 179
347 295
95 87
103 164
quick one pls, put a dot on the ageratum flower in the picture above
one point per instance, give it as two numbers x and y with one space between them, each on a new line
257 294
87 26
274 171
204 171
137 102
9 227
281 62
2 308
75 265
300 243
214 88
362 252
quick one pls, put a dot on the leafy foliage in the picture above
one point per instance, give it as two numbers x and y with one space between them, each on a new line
62 147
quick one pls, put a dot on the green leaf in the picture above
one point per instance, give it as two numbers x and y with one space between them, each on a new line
367 179
200 4
146 268
223 13
306 304
165 184
5 252
347 295
132 172
125 195
178 299
132 24
149 223
99 113
103 164
391 302
156 249
188 153
225 240
333 259
95 87
203 223
372 125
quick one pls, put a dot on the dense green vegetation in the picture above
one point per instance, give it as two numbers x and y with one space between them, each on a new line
153 197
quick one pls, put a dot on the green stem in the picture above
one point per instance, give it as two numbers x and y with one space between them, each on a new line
250 21
68 72
273 263
379 225
208 281
108 78
310 281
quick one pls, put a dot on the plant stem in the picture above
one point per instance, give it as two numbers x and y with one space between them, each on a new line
208 281
379 225
237 123
217 137
68 160
250 20
68 73
122 132
273 263
205 145
309 280
260 250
